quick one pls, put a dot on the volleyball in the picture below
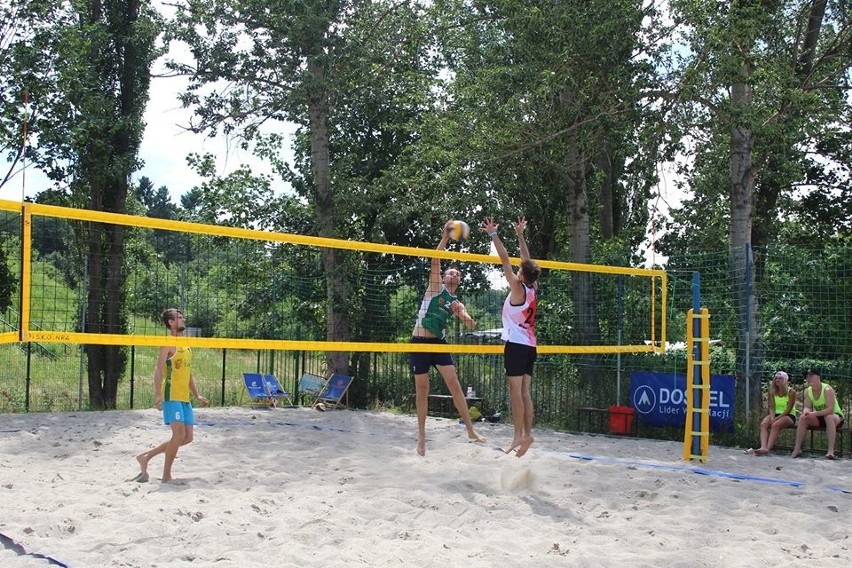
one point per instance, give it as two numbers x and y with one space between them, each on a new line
459 231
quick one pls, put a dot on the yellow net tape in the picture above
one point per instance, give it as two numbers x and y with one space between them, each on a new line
29 211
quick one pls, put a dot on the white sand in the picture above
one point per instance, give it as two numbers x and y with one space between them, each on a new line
294 487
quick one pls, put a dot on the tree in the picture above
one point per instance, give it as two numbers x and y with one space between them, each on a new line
29 88
762 84
312 64
85 68
7 282
113 65
546 99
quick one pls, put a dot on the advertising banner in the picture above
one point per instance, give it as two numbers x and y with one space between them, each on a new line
660 399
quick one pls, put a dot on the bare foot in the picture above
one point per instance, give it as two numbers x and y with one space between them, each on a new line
474 435
143 465
515 443
525 445
421 446
796 453
140 478
761 452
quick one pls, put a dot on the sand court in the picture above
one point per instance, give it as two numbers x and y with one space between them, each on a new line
294 487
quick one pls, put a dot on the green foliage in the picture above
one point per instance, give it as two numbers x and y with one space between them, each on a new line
7 282
797 112
532 89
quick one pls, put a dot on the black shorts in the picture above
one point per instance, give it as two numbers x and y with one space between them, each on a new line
419 363
821 420
518 359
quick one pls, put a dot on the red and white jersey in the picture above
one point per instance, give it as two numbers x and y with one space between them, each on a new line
519 321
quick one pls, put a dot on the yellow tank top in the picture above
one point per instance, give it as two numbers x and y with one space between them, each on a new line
781 405
178 372
819 403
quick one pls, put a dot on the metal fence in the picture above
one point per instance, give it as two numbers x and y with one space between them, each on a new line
39 380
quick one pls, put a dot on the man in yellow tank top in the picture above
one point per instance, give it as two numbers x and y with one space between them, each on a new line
821 410
173 385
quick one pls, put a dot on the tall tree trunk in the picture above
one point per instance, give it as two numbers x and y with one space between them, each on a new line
741 180
604 166
337 295
120 57
586 325
95 358
816 14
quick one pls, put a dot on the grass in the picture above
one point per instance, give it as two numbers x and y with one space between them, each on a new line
55 384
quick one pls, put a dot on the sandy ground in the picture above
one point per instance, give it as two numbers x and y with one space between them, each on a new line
295 487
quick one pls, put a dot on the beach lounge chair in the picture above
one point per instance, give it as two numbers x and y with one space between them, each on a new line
256 389
310 387
335 389
275 391
264 389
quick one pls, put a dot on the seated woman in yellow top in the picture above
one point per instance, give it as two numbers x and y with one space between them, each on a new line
781 401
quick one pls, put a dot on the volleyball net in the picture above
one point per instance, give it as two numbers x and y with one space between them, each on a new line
250 289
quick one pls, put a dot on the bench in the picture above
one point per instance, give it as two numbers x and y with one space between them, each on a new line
808 446
610 420
592 416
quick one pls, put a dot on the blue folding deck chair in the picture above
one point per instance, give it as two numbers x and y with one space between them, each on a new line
264 389
256 389
275 391
335 389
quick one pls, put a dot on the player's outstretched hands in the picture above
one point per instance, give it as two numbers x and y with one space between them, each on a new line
488 226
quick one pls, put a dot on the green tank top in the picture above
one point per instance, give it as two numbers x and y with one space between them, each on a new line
435 311
781 405
819 404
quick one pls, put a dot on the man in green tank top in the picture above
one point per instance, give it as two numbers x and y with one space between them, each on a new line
821 410
439 304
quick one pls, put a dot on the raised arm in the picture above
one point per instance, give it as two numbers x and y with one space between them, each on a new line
489 227
435 270
520 227
516 290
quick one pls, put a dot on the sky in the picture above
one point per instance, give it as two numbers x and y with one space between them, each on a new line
165 146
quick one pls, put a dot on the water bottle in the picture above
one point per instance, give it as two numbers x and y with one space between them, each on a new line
469 391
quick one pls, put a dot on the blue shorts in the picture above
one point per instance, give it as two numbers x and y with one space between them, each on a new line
177 411
419 363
